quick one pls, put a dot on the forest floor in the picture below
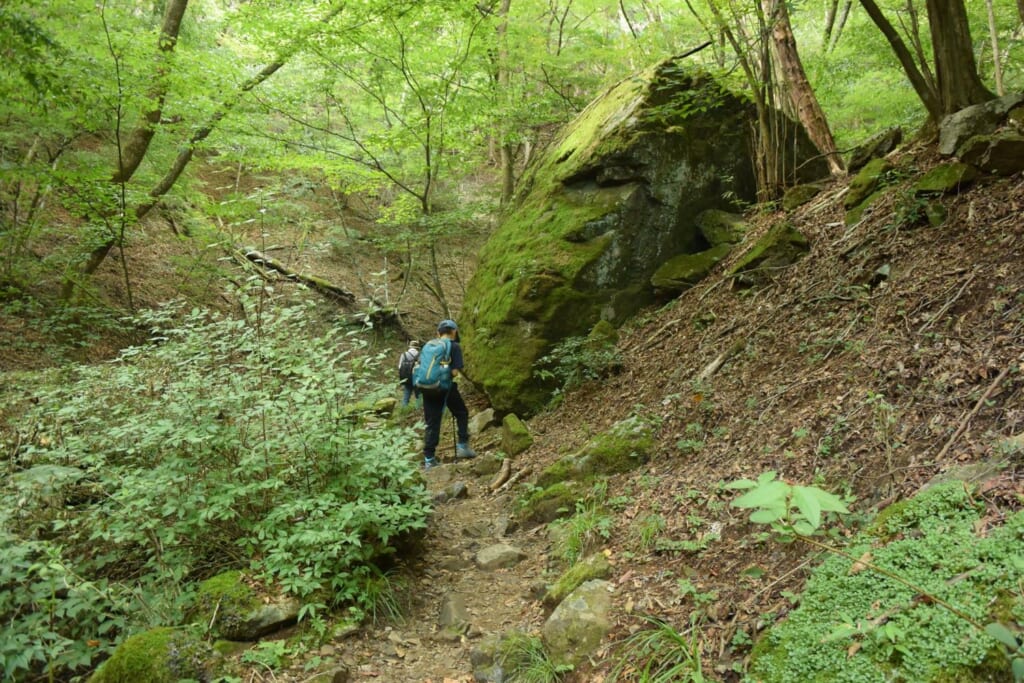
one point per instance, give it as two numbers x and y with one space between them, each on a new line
888 357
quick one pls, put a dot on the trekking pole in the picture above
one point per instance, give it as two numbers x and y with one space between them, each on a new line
455 437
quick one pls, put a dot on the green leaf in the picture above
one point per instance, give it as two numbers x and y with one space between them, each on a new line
1018 669
768 515
770 494
806 501
1003 635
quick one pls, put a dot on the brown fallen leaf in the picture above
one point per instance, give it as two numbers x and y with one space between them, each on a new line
862 563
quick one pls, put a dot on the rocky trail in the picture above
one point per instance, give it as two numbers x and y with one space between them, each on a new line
478 574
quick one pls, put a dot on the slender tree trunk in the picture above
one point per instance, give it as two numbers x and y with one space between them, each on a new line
993 33
138 140
840 24
131 154
506 152
959 84
830 21
1020 10
799 89
925 93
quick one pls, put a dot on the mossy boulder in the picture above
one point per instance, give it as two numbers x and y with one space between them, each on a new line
979 119
613 196
627 445
575 629
1001 154
781 246
548 504
721 227
603 334
799 195
594 566
875 147
866 182
160 655
946 178
241 612
515 437
944 540
684 271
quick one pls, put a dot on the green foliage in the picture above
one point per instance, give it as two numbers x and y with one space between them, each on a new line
789 508
525 660
661 654
577 360
879 627
221 440
270 654
579 534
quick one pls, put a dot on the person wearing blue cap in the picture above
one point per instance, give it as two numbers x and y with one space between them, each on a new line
434 404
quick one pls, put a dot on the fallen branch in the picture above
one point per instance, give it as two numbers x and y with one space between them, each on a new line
311 281
516 477
974 411
503 475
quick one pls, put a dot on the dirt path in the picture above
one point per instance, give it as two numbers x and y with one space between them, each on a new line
499 600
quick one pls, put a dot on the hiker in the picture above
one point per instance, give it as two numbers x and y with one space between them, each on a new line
440 363
406 363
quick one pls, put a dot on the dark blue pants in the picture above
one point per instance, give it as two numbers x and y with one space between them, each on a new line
433 411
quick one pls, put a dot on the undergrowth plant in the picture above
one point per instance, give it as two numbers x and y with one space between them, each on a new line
913 598
578 360
525 660
577 535
661 654
225 442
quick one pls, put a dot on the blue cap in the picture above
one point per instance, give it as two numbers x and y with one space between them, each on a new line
447 325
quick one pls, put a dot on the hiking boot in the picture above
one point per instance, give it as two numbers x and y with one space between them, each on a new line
429 463
464 452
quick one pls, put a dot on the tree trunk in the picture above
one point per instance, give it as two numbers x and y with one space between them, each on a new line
1020 10
993 32
841 24
138 141
799 89
956 73
927 95
506 152
830 22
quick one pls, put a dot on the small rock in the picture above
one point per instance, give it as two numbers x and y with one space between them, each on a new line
499 556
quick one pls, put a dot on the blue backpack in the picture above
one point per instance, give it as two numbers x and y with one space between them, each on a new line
434 372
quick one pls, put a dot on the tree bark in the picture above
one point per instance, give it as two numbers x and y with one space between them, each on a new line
993 32
840 24
506 151
926 94
138 140
313 282
956 72
799 89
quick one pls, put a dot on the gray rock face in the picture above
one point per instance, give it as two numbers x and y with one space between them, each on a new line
262 620
499 556
615 195
481 421
877 146
575 629
981 119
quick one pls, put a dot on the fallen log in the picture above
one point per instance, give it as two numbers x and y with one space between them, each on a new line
311 281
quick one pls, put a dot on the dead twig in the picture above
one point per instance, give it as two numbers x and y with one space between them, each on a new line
974 411
514 478
948 304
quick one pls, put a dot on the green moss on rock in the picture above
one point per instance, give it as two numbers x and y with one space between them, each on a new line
866 182
548 504
946 178
799 195
595 566
721 227
515 437
160 655
682 272
781 246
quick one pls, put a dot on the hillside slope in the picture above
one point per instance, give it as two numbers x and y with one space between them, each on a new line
889 355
